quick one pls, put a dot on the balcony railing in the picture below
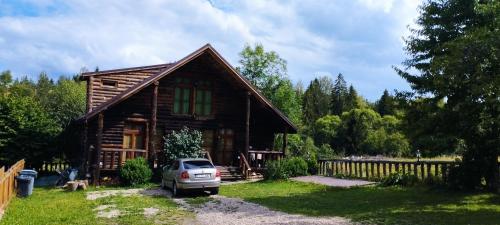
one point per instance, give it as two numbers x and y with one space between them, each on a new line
114 158
258 158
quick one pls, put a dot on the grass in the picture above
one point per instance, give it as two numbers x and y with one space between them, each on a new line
199 200
55 206
373 205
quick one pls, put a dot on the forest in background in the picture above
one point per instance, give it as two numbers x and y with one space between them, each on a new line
453 107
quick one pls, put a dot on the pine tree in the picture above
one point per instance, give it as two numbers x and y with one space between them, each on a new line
339 95
352 99
455 56
315 103
385 106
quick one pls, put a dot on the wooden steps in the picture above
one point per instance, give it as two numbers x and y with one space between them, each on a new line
233 173
230 173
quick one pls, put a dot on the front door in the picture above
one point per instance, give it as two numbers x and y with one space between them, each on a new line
208 143
224 152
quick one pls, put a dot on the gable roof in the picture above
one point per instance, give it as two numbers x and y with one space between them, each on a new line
173 67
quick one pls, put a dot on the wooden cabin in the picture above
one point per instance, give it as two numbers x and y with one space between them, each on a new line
129 111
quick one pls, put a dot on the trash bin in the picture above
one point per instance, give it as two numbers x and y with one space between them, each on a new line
31 173
25 185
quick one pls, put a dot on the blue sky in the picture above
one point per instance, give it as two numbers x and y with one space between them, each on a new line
362 39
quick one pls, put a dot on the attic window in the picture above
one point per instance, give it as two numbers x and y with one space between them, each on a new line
109 83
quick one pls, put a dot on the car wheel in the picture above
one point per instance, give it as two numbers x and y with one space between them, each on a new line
175 192
214 191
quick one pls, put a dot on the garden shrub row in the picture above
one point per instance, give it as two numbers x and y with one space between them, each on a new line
286 168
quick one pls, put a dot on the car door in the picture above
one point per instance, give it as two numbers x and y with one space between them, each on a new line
172 173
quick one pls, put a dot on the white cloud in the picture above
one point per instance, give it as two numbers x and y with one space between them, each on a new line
318 36
385 5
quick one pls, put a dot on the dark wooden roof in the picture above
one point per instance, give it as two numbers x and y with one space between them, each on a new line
124 70
169 68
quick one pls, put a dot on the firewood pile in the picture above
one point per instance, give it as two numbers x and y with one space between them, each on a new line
76 184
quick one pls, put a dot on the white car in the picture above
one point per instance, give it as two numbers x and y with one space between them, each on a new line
191 174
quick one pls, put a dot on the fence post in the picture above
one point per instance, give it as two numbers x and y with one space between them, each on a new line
443 171
429 173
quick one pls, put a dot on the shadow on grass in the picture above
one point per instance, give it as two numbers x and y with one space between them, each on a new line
377 205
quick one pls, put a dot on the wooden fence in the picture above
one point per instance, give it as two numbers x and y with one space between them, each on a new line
8 183
374 169
52 167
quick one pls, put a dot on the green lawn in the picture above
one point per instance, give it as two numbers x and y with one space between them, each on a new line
55 206
374 205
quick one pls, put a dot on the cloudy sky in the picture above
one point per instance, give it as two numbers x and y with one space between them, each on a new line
361 39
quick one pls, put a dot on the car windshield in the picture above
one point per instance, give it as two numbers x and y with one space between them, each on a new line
198 164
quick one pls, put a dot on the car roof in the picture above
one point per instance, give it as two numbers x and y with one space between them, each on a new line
192 159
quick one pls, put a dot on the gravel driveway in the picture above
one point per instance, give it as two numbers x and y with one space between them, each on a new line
220 210
228 211
334 182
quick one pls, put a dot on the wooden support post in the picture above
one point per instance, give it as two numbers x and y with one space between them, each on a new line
350 168
378 169
366 169
429 167
90 93
97 164
355 169
152 127
372 169
422 172
247 125
415 171
444 168
85 148
285 141
384 169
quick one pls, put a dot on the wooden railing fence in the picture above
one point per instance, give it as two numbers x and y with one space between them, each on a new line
52 167
375 169
8 183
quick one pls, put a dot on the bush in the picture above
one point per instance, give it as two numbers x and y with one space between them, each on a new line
286 168
185 143
400 179
135 171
